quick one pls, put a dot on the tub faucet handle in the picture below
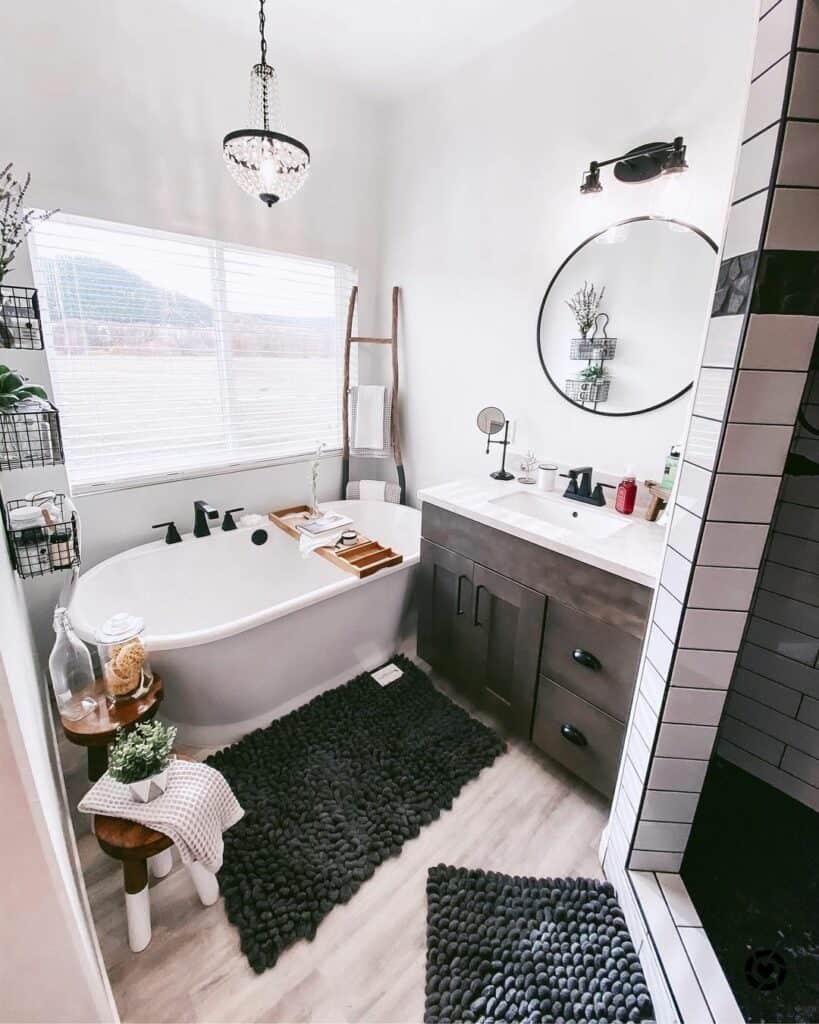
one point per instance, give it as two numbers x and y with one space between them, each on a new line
229 523
172 536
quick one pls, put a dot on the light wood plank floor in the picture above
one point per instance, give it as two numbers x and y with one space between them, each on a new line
523 815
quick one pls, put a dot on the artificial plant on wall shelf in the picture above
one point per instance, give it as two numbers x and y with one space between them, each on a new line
14 388
16 223
585 305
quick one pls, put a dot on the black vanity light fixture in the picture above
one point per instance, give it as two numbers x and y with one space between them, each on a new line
263 162
640 164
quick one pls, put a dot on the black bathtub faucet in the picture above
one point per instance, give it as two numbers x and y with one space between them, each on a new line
202 512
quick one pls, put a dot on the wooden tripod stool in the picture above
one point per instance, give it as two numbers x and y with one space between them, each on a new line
137 847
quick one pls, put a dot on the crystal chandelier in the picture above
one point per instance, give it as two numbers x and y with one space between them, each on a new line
265 163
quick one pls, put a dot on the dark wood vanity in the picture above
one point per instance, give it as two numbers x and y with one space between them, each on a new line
547 644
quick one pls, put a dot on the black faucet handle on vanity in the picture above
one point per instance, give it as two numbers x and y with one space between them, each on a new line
583 491
202 512
172 536
229 523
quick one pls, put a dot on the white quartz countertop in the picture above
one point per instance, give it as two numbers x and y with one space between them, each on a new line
628 546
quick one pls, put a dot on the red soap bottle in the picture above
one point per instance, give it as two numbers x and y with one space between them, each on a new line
626 493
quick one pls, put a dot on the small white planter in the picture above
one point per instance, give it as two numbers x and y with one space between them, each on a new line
149 789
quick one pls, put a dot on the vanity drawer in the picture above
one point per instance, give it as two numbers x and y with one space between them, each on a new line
578 735
591 658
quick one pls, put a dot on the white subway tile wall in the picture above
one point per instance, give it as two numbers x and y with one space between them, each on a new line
798 165
722 343
717 615
775 36
794 222
755 448
744 226
778 342
756 164
765 100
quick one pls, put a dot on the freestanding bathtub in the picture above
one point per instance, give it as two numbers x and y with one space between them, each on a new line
244 633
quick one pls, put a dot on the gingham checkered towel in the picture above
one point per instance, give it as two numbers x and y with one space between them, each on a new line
194 811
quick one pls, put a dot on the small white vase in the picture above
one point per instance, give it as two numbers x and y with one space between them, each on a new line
149 789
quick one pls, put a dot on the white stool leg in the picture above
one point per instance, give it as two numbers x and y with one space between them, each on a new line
162 863
205 881
137 904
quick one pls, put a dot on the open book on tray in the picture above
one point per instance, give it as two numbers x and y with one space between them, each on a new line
326 523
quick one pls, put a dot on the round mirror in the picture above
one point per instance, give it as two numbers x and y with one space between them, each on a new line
491 420
622 320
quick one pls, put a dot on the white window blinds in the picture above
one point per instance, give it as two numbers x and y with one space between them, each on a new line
177 356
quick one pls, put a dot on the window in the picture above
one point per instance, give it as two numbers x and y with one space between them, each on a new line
176 356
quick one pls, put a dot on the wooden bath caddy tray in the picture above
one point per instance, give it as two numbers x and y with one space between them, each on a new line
361 559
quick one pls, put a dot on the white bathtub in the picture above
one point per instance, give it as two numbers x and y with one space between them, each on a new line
243 633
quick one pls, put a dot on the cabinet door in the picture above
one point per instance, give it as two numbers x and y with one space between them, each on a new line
446 638
508 620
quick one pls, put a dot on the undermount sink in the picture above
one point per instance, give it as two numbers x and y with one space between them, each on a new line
563 513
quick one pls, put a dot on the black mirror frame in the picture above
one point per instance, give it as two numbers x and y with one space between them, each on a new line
631 220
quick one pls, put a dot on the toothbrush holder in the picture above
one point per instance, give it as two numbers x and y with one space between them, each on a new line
546 477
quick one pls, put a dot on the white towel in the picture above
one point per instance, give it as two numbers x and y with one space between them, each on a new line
369 416
308 544
372 490
195 809
392 492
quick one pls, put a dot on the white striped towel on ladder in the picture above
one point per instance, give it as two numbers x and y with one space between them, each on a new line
370 421
371 490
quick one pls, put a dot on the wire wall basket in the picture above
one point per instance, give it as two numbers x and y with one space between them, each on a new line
30 437
20 325
593 349
591 392
43 548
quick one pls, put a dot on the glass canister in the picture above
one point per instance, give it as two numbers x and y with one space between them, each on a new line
126 671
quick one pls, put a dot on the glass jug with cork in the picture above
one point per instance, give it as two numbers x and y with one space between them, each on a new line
126 670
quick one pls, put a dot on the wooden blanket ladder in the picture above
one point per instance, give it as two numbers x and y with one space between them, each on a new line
395 440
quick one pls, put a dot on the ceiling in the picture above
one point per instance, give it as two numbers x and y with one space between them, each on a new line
388 47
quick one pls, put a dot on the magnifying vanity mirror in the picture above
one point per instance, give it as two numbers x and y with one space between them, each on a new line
622 320
492 421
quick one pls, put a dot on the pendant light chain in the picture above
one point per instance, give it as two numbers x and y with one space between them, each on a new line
261 32
265 78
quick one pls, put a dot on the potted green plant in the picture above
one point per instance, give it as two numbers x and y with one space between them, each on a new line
16 223
593 373
585 304
14 388
140 758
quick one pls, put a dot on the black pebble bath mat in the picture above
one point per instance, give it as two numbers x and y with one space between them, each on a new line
550 950
333 789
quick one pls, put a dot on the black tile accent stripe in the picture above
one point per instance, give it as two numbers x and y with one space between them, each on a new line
734 285
787 283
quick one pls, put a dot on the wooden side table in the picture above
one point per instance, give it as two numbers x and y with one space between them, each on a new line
97 730
138 847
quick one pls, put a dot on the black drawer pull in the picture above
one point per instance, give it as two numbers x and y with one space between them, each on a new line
573 735
459 589
586 659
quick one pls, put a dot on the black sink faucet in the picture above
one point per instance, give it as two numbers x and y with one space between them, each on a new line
202 511
583 491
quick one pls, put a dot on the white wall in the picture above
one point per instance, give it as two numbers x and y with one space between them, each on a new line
483 206
118 111
40 892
